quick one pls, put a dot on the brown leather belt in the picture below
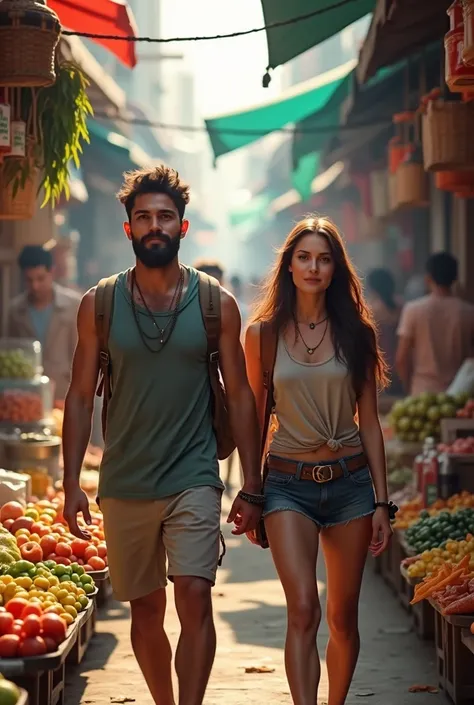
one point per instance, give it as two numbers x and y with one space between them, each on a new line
315 472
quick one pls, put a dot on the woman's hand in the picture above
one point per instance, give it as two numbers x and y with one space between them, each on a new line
381 531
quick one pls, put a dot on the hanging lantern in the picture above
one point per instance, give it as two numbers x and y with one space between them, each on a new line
468 21
29 33
458 75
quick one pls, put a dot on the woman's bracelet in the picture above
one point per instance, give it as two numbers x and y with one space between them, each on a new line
391 506
251 498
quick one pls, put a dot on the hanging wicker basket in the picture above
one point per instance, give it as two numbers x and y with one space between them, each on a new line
447 136
468 16
22 205
411 186
29 33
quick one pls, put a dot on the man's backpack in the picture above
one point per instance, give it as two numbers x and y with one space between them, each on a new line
210 302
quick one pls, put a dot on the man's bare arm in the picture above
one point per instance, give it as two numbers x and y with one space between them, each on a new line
240 399
78 410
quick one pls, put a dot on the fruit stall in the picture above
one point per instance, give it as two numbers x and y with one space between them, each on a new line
429 566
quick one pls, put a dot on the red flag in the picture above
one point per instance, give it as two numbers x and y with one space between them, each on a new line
112 17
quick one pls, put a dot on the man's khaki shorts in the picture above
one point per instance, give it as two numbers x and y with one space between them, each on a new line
143 535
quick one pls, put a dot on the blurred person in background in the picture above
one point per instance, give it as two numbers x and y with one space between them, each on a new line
46 312
436 332
386 309
326 484
211 267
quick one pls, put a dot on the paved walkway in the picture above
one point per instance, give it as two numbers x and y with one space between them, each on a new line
250 618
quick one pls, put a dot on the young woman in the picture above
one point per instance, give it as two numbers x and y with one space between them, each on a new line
323 465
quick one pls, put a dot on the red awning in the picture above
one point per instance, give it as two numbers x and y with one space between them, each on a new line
111 17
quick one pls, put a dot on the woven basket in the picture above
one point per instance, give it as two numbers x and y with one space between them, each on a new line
411 186
29 33
23 205
379 193
447 136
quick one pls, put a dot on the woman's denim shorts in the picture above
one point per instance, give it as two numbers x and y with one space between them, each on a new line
327 504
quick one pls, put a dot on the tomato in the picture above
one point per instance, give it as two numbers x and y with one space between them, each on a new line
16 606
8 523
32 625
31 551
89 552
21 540
32 608
62 560
96 563
102 550
63 549
54 627
17 627
6 622
11 510
48 544
41 529
33 646
51 645
9 644
22 523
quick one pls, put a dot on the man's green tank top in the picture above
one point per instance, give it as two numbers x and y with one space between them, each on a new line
159 439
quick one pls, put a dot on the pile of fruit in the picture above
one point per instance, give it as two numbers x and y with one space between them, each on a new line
16 364
416 418
20 406
430 561
461 446
467 412
39 602
40 533
412 511
433 531
451 587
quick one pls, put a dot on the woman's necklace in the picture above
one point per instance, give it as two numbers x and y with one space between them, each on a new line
318 323
175 302
310 350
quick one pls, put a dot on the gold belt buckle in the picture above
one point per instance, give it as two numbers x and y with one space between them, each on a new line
319 474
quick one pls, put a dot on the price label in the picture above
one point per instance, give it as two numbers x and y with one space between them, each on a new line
5 128
18 133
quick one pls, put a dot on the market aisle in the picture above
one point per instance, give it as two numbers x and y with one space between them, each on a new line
250 620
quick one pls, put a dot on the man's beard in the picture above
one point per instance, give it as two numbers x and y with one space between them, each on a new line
158 255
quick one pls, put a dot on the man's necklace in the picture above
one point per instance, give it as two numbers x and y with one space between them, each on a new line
173 308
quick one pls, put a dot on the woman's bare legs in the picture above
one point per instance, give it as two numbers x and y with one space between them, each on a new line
293 541
345 550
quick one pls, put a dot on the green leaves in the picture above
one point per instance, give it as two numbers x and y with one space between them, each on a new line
62 115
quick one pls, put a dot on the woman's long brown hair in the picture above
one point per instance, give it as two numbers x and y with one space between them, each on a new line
352 325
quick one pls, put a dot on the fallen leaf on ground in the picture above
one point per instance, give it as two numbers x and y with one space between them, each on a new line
122 701
423 689
259 669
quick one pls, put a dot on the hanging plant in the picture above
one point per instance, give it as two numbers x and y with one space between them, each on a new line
57 129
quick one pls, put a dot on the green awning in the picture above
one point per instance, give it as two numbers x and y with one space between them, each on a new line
284 43
230 132
119 145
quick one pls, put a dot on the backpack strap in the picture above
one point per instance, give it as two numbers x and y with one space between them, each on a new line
210 302
268 352
104 306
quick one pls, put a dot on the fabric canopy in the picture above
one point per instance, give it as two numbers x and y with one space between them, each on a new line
129 154
112 17
288 41
230 132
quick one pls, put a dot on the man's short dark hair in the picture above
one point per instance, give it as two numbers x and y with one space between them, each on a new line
33 256
442 268
211 267
159 179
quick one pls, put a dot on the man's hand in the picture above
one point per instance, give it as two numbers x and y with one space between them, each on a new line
76 502
244 515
